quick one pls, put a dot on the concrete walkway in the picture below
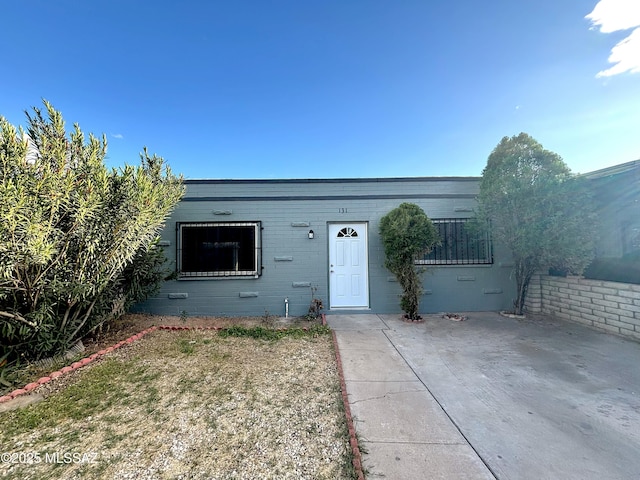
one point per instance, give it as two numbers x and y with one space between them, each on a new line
491 397
402 428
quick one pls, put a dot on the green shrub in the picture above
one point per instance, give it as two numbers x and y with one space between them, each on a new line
407 232
537 209
264 333
76 238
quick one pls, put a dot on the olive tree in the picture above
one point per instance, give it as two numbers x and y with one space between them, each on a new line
537 208
407 232
71 231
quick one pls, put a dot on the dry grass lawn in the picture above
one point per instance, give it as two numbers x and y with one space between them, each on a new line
188 405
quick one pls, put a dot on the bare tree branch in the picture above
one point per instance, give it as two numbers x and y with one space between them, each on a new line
15 316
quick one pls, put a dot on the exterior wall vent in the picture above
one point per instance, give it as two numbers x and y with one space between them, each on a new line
178 295
466 278
492 291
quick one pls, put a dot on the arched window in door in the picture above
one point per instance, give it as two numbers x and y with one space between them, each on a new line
347 232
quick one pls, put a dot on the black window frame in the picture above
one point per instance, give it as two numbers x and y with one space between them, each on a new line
222 243
459 246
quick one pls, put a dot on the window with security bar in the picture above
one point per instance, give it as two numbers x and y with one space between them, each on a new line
211 249
459 244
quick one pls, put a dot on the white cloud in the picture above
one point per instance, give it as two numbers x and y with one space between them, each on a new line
625 56
618 15
614 15
117 135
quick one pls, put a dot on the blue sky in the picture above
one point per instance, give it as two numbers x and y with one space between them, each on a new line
348 88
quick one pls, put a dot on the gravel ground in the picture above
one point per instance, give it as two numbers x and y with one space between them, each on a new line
193 405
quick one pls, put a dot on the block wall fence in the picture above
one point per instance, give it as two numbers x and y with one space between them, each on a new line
607 306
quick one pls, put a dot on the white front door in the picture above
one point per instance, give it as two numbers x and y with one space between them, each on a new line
348 265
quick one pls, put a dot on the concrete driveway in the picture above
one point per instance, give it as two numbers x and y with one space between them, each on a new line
491 397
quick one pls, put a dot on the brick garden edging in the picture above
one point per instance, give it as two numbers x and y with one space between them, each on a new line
353 439
75 365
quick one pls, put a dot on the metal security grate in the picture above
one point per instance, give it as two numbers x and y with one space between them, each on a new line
459 245
212 249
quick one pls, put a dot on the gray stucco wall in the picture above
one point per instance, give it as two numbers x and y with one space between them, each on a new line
616 193
292 262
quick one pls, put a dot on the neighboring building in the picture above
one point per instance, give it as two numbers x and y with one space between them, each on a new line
617 197
241 247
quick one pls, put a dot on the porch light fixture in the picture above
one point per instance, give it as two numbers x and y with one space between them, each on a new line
311 234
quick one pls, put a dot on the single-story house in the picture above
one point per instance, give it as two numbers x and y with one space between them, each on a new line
246 247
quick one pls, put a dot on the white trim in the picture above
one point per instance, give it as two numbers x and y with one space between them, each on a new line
363 239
